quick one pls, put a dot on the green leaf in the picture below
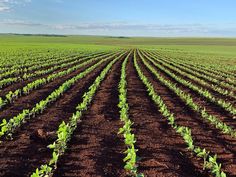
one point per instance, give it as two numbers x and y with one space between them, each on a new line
140 175
52 146
222 174
36 174
4 122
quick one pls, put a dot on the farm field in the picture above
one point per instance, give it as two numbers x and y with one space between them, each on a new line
120 107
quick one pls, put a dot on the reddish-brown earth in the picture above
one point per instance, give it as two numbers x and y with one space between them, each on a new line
95 148
210 107
24 154
204 134
159 146
28 101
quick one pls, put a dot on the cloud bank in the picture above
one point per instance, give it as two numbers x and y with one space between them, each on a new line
7 5
126 29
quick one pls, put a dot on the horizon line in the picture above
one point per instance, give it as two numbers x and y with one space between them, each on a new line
117 36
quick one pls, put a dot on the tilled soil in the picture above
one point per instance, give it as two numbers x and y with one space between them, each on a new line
24 153
211 108
96 149
28 101
205 135
162 151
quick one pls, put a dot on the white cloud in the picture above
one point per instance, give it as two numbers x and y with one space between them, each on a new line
122 28
7 5
162 28
4 8
20 23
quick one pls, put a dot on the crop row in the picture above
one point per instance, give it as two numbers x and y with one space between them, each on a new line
65 130
210 161
211 73
32 65
25 58
220 86
10 60
209 70
129 138
151 62
12 96
188 100
227 106
223 71
22 73
52 67
8 127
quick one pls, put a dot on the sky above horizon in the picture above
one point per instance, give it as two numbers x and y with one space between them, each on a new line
169 18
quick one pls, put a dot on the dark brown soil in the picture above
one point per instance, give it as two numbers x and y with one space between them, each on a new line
211 108
205 135
29 101
25 154
96 149
162 150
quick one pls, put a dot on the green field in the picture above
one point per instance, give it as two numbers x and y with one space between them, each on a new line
218 51
117 106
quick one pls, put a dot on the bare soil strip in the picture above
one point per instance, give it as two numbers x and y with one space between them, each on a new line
96 149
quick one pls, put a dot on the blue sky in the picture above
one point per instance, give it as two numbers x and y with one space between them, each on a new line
120 17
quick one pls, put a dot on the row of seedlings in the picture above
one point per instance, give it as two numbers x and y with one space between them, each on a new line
209 161
9 127
66 130
188 100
